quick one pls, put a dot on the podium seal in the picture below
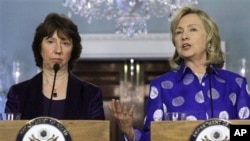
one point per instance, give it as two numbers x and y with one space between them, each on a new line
43 129
212 130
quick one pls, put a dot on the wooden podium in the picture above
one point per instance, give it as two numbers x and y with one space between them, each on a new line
179 130
80 130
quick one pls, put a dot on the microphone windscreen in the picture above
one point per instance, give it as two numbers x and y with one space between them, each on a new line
56 67
209 70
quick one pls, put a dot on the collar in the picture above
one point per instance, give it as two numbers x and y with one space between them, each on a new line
183 70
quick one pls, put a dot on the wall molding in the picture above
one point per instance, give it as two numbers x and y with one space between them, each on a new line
113 46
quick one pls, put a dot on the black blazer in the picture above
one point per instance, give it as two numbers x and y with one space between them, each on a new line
83 100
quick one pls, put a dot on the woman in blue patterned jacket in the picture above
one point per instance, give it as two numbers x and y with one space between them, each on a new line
197 84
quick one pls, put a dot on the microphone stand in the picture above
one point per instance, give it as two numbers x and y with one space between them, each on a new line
56 67
209 71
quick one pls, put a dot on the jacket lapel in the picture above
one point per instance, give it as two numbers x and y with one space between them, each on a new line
35 96
74 98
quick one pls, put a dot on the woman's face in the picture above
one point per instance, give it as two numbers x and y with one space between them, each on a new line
190 38
56 50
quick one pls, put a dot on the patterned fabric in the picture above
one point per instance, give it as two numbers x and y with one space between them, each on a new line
181 91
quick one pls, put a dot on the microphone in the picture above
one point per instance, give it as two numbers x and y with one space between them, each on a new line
56 67
209 71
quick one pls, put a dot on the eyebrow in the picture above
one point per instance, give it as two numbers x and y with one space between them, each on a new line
63 38
190 25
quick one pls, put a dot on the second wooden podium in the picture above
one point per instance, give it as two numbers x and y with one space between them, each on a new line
179 130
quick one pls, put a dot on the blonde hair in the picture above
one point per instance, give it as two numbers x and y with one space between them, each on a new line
214 53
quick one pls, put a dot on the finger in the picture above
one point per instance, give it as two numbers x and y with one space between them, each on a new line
118 106
131 110
125 109
112 106
113 101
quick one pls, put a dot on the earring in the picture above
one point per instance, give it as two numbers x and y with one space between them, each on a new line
209 45
209 48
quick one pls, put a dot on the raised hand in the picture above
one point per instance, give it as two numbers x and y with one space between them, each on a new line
123 117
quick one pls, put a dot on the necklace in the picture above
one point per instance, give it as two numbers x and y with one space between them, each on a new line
59 91
199 75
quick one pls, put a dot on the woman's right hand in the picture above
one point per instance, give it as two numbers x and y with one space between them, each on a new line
123 117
